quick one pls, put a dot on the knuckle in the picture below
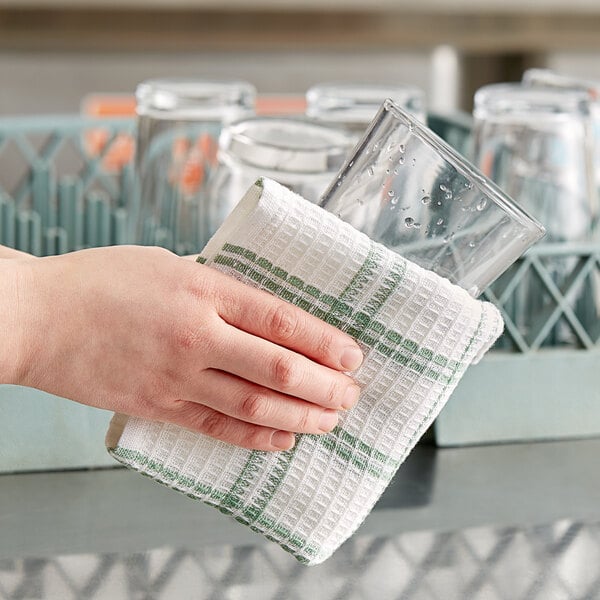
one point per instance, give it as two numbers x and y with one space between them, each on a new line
214 425
304 420
325 345
282 322
254 437
284 373
201 287
332 394
254 407
187 338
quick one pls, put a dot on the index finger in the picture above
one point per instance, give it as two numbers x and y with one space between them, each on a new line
271 318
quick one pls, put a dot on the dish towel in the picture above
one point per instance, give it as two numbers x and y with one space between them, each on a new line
418 331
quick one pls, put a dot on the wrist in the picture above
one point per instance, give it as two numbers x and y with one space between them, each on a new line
15 306
10 341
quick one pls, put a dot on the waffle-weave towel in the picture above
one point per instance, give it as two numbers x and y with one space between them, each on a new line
418 331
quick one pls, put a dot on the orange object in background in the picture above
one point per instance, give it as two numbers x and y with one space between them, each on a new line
280 105
121 149
108 105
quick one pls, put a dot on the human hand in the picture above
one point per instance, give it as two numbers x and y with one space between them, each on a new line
143 332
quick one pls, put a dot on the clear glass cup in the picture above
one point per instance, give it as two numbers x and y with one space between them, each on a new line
353 105
549 79
302 155
179 121
535 143
407 189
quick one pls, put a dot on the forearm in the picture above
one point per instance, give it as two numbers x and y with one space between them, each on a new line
6 252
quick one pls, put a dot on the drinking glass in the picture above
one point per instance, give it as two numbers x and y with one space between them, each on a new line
353 105
550 79
406 188
302 155
179 121
535 143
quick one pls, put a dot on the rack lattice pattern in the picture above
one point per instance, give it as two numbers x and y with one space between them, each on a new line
551 297
64 183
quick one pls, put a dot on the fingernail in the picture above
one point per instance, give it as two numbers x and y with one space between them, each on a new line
328 420
352 358
284 440
351 396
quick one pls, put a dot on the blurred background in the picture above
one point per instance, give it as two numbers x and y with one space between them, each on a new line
54 52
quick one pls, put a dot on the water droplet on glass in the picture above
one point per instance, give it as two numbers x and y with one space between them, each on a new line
396 171
448 196
371 171
391 193
443 187
417 225
387 171
350 163
482 204
409 221
439 222
401 160
439 203
394 200
449 237
471 244
469 185
413 162
401 148
426 199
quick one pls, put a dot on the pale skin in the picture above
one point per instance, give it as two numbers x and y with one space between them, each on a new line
143 332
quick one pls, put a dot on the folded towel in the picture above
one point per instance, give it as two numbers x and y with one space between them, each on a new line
418 331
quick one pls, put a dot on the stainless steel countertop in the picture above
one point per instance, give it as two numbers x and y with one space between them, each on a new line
514 521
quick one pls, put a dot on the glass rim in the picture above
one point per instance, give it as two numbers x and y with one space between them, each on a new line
463 166
172 92
336 101
554 80
508 98
361 91
237 140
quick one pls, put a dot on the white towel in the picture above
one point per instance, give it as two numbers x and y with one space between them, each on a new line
418 331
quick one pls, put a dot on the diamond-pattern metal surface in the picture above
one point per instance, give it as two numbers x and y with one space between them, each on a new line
550 562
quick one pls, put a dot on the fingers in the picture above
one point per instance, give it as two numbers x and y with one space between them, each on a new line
266 364
208 421
262 314
253 403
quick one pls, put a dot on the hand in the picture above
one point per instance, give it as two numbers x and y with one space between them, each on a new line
143 332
